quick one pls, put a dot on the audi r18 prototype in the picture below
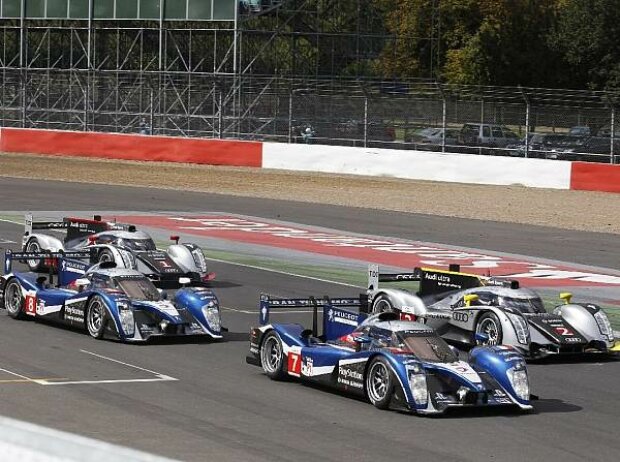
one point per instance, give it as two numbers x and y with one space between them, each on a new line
393 363
120 243
477 310
106 300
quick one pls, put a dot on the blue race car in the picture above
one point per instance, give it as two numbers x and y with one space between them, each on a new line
394 364
106 300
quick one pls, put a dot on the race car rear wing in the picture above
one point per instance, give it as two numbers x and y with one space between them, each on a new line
435 281
76 227
69 265
338 318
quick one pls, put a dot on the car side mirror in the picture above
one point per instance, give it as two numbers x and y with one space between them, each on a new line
81 283
362 339
482 338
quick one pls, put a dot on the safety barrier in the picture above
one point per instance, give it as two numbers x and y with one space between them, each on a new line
131 147
418 165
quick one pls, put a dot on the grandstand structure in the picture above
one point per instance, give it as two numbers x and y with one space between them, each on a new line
249 69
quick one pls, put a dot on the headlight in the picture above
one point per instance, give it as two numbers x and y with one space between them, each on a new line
518 379
604 325
127 321
417 384
521 328
199 259
212 314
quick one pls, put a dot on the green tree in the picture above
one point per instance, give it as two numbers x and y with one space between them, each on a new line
587 34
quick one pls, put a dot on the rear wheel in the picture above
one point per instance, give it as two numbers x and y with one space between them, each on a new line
489 325
96 315
380 383
14 299
382 304
33 246
272 356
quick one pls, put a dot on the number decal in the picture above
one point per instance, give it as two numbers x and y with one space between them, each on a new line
30 303
407 317
563 331
294 364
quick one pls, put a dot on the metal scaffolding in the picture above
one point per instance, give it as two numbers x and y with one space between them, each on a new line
279 68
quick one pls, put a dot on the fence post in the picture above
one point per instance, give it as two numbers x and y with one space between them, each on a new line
527 128
612 134
290 118
365 121
444 115
220 121
152 115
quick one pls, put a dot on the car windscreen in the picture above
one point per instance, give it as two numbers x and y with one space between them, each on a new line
138 244
522 304
427 347
136 288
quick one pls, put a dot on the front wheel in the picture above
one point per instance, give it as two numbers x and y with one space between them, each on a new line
14 299
382 304
106 256
272 356
380 383
34 247
96 315
489 325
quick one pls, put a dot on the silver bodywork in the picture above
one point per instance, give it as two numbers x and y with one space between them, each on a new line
455 321
188 257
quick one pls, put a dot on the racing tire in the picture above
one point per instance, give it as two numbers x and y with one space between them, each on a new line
489 324
272 356
96 317
382 304
379 383
14 300
106 255
33 246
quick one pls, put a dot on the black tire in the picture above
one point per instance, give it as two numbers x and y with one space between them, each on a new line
489 324
272 356
33 246
14 299
96 317
383 304
106 255
379 383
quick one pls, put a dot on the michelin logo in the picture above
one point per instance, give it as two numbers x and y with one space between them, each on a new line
342 317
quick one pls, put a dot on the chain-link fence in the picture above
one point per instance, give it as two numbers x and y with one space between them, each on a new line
556 124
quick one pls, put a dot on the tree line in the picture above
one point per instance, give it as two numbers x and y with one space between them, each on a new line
537 43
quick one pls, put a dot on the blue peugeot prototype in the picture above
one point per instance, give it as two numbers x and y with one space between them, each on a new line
106 300
395 364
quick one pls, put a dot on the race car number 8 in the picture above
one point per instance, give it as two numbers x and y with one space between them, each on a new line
294 363
30 302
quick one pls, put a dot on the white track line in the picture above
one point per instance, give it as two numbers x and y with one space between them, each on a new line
18 375
158 377
269 270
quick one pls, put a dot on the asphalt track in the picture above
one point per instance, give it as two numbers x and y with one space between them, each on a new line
199 400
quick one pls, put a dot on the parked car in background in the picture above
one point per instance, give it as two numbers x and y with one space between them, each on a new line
487 135
580 131
431 138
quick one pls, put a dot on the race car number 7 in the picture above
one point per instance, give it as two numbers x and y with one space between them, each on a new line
294 364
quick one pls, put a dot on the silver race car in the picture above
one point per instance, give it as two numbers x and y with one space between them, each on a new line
476 310
115 242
